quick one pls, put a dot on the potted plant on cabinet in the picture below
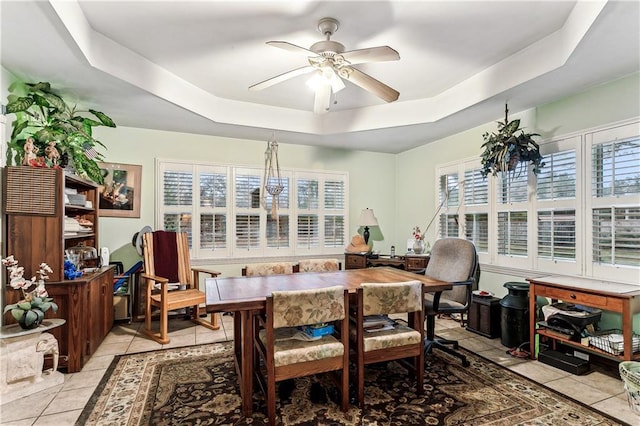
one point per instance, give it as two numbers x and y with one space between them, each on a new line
47 132
507 147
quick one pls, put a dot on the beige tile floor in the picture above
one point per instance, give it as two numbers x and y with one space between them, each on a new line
62 405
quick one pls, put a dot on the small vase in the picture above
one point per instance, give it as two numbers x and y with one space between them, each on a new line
418 246
24 326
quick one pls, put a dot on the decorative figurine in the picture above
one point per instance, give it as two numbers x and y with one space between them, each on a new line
30 152
53 156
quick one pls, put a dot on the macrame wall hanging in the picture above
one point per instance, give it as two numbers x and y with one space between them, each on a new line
272 180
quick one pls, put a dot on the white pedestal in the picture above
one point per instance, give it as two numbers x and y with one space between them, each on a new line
22 358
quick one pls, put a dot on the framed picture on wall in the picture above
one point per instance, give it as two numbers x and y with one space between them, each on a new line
120 194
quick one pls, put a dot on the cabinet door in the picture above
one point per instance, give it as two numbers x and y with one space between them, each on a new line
355 261
100 315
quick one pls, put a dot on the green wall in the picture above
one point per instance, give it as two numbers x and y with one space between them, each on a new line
415 204
370 175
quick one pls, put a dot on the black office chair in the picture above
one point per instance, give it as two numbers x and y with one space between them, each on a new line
454 260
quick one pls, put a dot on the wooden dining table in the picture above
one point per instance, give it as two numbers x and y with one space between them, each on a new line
246 297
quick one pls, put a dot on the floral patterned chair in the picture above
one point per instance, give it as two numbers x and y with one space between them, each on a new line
260 269
401 342
319 265
288 357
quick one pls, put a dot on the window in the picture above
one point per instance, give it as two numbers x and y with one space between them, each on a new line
613 205
579 216
234 217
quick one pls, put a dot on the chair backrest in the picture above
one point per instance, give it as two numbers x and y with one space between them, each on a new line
166 254
260 269
319 265
306 307
454 260
391 298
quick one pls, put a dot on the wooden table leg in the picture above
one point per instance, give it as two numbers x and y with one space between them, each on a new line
247 362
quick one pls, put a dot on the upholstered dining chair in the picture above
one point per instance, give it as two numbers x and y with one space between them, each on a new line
171 282
288 357
319 265
261 269
453 260
402 342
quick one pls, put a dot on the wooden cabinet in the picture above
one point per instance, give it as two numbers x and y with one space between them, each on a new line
355 261
86 304
34 203
416 262
484 316
36 210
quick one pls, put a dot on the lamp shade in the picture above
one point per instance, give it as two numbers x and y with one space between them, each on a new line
367 218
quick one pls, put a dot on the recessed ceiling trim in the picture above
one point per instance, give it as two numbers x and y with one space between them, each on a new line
537 59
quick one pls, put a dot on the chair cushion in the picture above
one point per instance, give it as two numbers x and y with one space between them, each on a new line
260 269
391 298
305 307
289 351
318 265
400 335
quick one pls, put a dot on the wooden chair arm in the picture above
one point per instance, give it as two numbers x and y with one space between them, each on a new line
206 271
161 280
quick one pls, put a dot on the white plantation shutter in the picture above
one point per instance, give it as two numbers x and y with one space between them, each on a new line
247 207
512 233
557 234
476 208
614 206
334 213
449 200
308 231
476 188
557 179
177 196
615 168
477 230
555 204
278 231
213 192
616 236
223 211
579 216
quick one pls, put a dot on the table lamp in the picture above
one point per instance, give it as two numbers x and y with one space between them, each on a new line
367 219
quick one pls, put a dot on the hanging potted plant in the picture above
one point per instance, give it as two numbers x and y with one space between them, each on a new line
47 132
507 147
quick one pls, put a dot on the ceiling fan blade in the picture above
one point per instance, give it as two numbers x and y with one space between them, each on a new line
369 83
323 99
371 54
291 47
282 77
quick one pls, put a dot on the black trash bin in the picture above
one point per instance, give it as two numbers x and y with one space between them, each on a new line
514 315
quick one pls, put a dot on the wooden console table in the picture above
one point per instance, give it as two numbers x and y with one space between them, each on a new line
608 296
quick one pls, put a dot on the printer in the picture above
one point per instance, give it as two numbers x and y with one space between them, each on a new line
570 319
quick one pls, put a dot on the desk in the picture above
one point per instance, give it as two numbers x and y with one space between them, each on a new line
608 296
408 262
246 297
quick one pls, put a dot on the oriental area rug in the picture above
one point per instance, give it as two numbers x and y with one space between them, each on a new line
198 385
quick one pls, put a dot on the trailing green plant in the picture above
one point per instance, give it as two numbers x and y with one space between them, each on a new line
507 147
53 131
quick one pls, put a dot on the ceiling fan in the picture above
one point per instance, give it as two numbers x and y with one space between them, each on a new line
330 64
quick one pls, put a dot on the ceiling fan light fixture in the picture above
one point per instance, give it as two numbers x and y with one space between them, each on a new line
326 76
